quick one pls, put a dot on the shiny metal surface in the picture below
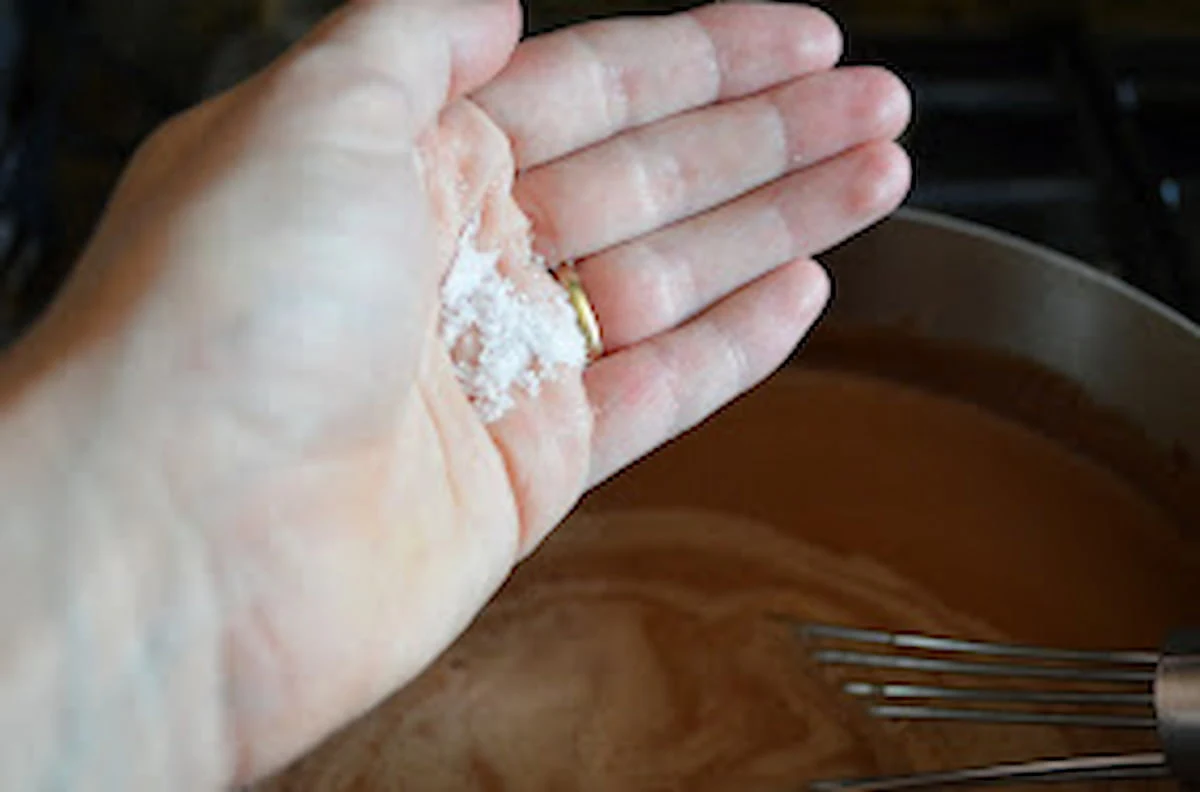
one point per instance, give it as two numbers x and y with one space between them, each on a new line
965 668
1077 770
1177 705
1123 701
937 643
952 280
905 692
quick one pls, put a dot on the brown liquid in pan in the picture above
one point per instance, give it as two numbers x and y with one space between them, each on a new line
639 648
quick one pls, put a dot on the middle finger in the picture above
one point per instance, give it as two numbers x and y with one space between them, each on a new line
650 177
661 280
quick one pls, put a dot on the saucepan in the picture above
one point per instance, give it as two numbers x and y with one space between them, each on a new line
954 280
652 642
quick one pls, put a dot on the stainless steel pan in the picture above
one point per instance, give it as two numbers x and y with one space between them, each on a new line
952 280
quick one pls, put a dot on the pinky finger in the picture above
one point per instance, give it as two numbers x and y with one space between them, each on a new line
649 393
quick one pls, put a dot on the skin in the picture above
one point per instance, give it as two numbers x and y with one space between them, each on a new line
243 497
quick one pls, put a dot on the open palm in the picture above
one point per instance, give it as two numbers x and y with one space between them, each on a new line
266 287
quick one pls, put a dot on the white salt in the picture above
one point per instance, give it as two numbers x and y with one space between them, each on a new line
502 341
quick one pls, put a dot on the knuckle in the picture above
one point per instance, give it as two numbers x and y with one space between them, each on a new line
612 84
320 91
665 288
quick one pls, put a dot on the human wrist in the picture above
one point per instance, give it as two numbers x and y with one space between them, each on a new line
112 674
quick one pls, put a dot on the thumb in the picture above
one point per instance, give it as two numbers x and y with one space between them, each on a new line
436 50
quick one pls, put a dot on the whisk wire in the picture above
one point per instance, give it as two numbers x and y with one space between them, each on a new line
893 691
1099 689
907 712
940 644
932 665
1145 766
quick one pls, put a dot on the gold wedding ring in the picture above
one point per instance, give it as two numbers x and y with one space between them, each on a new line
588 325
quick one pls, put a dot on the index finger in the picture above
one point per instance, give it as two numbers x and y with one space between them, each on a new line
566 90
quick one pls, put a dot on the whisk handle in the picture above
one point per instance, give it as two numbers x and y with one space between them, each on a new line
1177 705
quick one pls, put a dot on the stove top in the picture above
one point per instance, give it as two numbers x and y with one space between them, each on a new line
1081 143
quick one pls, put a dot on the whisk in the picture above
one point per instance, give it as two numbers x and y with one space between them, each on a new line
1157 691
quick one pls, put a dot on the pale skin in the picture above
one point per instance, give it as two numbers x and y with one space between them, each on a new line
243 496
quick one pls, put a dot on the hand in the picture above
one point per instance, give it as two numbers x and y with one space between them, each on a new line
256 318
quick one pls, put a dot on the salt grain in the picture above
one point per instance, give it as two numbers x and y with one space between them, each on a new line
501 340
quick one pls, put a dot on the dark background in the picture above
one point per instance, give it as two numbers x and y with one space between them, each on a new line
1074 124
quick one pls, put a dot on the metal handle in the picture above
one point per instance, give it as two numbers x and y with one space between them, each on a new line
1177 705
